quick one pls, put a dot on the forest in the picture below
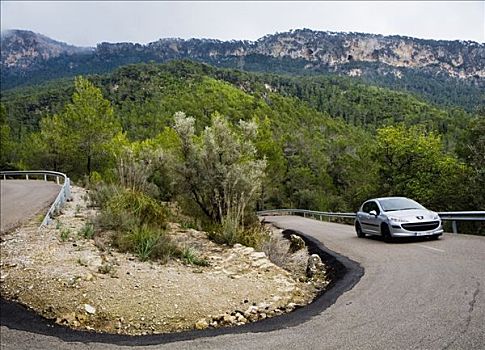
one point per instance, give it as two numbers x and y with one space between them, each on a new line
223 142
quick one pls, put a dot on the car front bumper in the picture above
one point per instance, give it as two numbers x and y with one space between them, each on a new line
398 231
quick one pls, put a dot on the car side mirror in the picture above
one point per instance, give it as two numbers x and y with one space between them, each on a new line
373 212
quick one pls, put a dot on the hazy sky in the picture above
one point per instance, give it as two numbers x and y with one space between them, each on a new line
85 23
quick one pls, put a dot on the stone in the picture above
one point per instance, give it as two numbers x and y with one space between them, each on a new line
229 319
314 265
201 324
258 255
89 309
296 243
290 307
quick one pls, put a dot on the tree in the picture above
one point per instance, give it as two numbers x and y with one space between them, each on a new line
90 121
76 140
411 163
472 150
5 142
219 168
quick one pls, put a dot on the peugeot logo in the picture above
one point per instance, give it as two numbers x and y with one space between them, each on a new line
420 217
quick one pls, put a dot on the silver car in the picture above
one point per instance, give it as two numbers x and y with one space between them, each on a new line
396 217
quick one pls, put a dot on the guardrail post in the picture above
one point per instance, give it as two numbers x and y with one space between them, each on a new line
26 176
454 226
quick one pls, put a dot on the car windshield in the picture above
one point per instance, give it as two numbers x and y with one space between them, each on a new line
394 204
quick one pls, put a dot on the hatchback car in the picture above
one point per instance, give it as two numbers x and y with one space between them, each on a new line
396 217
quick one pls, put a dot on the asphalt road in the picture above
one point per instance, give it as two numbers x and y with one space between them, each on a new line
413 295
22 200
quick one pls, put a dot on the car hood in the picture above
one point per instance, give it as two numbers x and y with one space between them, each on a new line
412 215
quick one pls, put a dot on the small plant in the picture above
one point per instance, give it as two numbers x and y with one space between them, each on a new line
106 268
147 243
58 225
188 224
40 218
82 262
87 231
77 210
65 233
189 256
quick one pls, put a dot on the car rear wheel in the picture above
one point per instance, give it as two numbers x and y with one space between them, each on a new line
359 231
386 233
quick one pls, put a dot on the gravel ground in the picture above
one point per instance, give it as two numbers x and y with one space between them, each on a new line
65 277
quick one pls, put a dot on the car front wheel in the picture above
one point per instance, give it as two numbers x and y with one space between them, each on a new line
386 233
359 231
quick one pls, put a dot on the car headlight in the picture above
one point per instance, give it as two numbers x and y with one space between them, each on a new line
436 216
393 219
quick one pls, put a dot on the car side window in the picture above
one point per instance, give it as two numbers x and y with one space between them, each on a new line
367 207
375 207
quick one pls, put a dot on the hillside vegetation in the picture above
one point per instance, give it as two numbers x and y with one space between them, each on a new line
303 142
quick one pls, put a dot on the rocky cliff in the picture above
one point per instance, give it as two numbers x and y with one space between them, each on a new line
21 49
353 54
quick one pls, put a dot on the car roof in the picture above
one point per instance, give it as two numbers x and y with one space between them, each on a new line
380 198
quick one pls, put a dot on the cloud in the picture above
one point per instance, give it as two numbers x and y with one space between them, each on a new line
90 22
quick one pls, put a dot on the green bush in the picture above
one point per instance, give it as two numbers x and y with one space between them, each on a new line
123 210
146 243
140 206
102 193
87 231
190 256
254 236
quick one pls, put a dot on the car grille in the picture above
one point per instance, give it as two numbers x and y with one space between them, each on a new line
421 226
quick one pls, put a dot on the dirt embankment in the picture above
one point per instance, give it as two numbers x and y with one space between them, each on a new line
65 277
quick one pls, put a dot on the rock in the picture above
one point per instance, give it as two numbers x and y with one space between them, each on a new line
252 310
314 266
297 243
89 277
89 309
290 307
201 324
241 319
229 319
258 255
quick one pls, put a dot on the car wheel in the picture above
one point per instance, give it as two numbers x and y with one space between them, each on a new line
358 230
386 233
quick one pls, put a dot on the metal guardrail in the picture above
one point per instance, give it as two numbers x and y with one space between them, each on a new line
453 216
63 196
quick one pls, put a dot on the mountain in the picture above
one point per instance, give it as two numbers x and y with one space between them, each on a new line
445 72
21 49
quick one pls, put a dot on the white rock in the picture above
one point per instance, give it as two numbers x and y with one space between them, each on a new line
258 255
89 309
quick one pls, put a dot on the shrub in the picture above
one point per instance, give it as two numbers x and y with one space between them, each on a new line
190 256
65 233
87 231
147 243
102 193
146 209
124 210
254 236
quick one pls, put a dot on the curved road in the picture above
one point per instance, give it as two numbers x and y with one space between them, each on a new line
413 295
22 199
